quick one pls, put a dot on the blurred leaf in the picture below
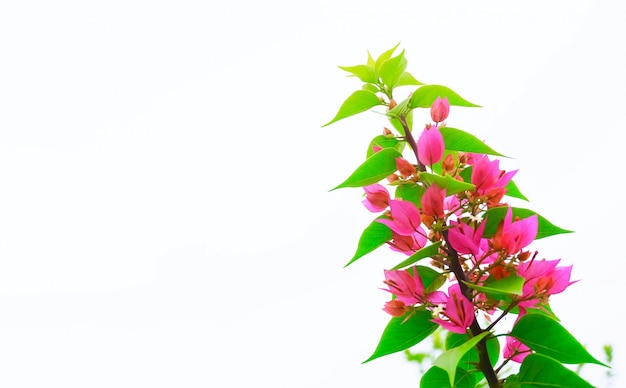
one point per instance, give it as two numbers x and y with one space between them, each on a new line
436 377
401 333
546 336
378 166
541 371
470 359
425 95
375 235
357 102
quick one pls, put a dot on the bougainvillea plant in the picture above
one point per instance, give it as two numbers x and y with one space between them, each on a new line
441 202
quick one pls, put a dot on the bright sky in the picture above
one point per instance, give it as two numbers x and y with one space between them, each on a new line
165 219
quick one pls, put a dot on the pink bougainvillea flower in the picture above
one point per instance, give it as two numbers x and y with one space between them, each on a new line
465 239
440 109
430 146
432 201
489 180
513 236
409 289
542 278
408 244
405 168
376 198
458 312
515 350
405 218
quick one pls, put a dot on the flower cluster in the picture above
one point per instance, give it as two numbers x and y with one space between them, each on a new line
458 222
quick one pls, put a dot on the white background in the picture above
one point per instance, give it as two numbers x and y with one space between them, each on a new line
165 219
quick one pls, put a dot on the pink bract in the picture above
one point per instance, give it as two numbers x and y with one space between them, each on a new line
430 146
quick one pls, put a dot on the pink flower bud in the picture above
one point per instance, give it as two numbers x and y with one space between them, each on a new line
395 308
430 146
440 109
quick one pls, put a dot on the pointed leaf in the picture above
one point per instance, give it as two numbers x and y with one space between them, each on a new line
541 371
496 214
546 336
375 235
384 56
406 79
376 167
449 360
451 185
428 251
391 70
436 377
363 72
458 140
425 95
400 334
513 191
357 102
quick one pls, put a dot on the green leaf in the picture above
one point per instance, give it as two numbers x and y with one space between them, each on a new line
451 185
428 251
363 72
431 279
546 336
391 70
541 371
406 79
410 191
383 57
376 167
502 289
449 360
401 333
496 214
425 95
436 377
375 235
384 142
513 191
357 102
458 140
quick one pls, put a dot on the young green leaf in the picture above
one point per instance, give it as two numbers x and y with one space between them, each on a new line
376 167
449 360
384 56
363 72
375 235
410 191
357 102
406 79
383 141
392 69
546 336
541 371
401 333
425 95
470 359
